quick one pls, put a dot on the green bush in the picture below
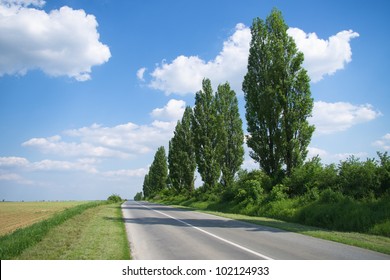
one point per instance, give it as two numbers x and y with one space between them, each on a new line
381 228
114 198
138 196
330 196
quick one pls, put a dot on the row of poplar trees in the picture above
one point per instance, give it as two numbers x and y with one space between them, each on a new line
278 103
209 137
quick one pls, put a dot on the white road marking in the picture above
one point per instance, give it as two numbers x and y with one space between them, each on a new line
211 234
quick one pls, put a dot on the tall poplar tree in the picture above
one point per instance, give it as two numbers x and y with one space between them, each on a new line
205 131
146 187
181 155
158 172
231 135
278 98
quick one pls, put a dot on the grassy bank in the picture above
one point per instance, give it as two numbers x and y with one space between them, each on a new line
367 241
13 244
96 234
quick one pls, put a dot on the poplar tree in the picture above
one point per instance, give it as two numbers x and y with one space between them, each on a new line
278 98
231 135
205 132
181 155
158 172
146 187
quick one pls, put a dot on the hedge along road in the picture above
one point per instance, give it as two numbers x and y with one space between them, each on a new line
164 233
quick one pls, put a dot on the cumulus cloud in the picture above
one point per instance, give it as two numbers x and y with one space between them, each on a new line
383 143
185 73
173 111
63 42
120 141
339 116
323 57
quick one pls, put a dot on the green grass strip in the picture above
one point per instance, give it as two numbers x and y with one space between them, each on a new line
14 244
96 234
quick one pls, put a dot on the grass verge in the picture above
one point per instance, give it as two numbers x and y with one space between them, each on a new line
96 234
14 244
372 242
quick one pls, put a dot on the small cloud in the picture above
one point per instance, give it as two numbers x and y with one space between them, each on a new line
330 118
173 111
313 152
140 172
13 162
140 74
323 57
383 143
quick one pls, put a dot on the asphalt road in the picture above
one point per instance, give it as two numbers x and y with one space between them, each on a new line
158 232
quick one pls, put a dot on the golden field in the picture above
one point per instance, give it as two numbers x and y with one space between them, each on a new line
15 215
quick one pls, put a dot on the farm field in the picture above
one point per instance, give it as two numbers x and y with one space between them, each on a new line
15 215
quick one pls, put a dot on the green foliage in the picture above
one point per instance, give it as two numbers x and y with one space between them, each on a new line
205 131
181 155
158 173
333 211
231 135
114 198
147 189
278 98
359 179
138 196
312 174
383 172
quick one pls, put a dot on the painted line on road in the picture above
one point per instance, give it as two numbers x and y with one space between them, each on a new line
211 234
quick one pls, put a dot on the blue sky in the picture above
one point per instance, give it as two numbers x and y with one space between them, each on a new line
90 89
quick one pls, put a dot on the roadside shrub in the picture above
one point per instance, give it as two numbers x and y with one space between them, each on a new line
330 196
381 228
114 198
278 192
250 191
358 179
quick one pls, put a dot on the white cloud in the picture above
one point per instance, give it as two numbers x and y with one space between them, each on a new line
13 162
54 145
383 143
313 152
51 165
173 111
120 141
140 172
323 57
63 42
185 73
339 116
140 74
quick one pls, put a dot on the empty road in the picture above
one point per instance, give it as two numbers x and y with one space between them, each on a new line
158 232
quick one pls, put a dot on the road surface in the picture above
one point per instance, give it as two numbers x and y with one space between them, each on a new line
158 232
